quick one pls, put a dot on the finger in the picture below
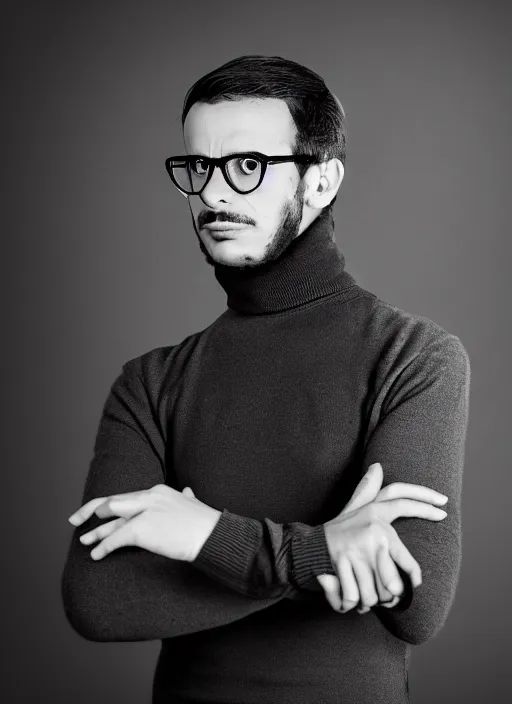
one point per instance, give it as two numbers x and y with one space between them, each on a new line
366 584
387 573
397 508
403 558
101 531
389 604
86 511
384 594
404 490
367 489
125 505
349 588
117 539
187 491
331 586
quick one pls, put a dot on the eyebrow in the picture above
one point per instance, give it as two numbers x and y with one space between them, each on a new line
241 151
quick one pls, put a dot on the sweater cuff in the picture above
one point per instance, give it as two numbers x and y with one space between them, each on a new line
228 552
310 556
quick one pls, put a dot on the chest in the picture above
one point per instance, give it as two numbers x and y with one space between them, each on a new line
269 426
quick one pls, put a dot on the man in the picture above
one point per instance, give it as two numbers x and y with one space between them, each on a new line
226 465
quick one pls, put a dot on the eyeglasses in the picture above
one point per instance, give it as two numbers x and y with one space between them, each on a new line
244 172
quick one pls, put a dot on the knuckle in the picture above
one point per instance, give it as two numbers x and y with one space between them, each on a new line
348 604
387 533
384 540
327 587
370 601
378 532
394 586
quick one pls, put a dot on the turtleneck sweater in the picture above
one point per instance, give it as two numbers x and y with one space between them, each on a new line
271 415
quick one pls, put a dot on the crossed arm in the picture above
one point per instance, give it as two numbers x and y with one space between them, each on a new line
134 594
417 433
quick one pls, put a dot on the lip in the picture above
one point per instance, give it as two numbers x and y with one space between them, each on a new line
224 226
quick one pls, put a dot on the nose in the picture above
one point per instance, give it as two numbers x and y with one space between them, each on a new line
217 189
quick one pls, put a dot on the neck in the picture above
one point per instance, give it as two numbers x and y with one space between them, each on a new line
311 267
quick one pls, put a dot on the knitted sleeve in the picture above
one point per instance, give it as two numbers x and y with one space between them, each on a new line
420 439
417 433
134 594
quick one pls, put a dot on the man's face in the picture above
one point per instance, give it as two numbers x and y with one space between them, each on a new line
272 214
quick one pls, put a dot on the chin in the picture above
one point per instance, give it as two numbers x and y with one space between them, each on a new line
233 252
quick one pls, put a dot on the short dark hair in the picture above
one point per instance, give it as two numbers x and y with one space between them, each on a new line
317 113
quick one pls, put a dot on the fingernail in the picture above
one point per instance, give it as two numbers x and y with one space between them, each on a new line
441 511
73 520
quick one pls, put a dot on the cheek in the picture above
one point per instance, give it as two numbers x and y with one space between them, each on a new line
273 184
269 198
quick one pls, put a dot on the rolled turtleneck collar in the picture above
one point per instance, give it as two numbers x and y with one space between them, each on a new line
310 267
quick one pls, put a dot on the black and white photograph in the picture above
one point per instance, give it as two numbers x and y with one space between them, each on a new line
257 371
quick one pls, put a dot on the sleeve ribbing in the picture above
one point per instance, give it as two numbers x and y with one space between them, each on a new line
263 558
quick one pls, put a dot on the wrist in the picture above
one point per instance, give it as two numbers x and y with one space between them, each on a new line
209 520
310 557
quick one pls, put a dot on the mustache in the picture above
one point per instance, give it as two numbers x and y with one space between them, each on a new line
208 217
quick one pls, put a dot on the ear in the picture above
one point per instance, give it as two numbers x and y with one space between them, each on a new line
322 182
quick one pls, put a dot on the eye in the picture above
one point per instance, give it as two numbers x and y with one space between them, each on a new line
248 165
199 166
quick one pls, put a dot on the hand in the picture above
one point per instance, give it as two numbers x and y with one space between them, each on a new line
362 542
161 520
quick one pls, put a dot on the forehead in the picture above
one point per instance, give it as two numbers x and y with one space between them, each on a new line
248 124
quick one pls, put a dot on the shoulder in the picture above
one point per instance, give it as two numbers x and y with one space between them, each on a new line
403 337
159 366
409 355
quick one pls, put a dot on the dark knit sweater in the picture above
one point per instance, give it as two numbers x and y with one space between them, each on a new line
272 414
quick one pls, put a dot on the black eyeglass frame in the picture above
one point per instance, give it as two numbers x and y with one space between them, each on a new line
222 161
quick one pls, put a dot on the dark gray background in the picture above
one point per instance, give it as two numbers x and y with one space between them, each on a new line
101 264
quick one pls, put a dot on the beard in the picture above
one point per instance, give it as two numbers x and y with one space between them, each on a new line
286 232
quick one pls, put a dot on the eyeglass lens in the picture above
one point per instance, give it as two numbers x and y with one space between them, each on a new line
243 172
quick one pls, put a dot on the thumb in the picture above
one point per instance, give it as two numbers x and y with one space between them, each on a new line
187 491
367 489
